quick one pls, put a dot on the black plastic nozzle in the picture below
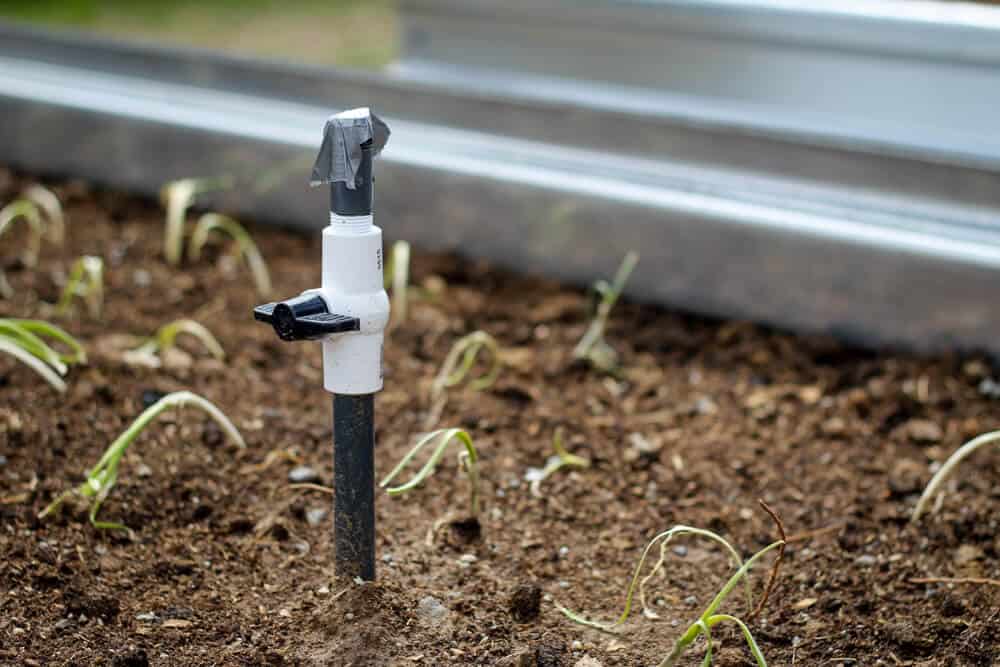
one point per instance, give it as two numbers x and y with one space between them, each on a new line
357 200
304 317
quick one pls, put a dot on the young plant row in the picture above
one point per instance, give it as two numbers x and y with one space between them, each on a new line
50 351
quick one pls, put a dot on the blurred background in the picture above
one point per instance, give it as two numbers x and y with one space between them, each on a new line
355 33
829 166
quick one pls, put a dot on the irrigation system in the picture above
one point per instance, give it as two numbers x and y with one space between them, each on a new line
349 314
823 166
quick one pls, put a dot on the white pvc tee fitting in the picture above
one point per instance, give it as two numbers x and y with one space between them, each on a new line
352 285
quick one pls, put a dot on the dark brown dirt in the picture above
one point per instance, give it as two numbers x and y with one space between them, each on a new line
224 568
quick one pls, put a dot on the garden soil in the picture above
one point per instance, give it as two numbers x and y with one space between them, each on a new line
226 564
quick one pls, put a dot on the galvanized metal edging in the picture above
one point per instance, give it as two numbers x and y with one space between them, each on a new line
534 185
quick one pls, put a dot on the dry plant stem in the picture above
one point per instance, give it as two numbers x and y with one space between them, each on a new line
215 222
948 468
772 579
272 457
662 538
978 581
86 280
46 200
400 275
468 460
308 486
460 360
102 477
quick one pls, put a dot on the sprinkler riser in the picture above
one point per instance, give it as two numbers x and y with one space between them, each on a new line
348 313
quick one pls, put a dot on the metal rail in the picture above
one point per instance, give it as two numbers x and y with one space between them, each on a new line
873 237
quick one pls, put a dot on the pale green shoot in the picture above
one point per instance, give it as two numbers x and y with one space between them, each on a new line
467 460
397 278
592 347
561 459
22 209
178 196
709 619
948 468
102 477
663 538
216 222
166 337
460 360
86 281
50 205
24 340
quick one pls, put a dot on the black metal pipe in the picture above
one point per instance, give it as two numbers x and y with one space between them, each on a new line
354 485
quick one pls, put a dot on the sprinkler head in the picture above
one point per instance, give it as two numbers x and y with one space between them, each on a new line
350 310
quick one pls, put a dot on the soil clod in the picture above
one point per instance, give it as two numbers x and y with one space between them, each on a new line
525 603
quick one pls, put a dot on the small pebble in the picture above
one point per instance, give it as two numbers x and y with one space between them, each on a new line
315 516
989 388
142 278
151 396
681 550
148 617
577 645
431 610
563 551
387 558
303 475
690 600
3 460
705 406
924 431
866 559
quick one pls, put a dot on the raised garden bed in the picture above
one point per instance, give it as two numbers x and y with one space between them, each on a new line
227 565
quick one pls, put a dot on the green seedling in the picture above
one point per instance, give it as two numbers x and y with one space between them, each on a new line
86 281
710 618
468 461
22 209
561 459
100 479
178 196
47 201
397 278
25 341
636 584
460 360
215 222
165 338
948 468
592 348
